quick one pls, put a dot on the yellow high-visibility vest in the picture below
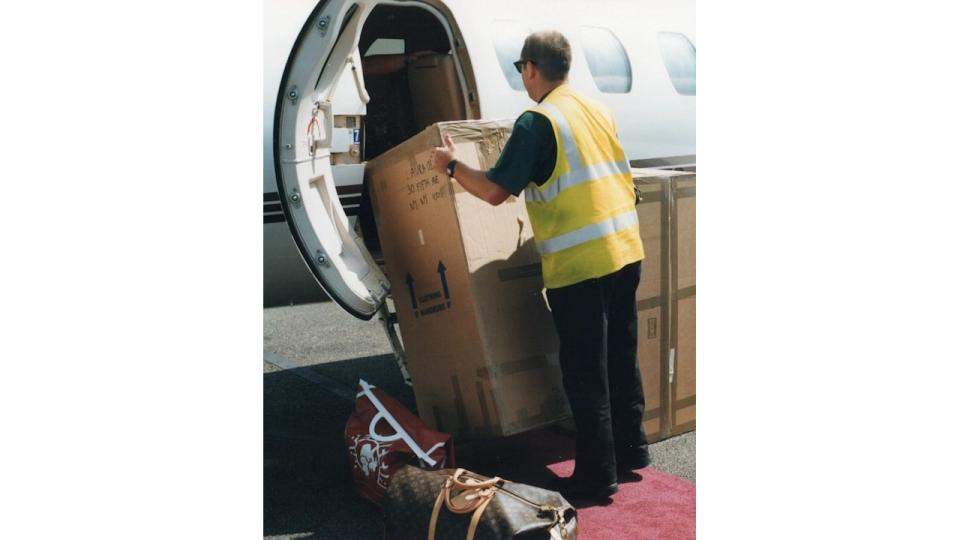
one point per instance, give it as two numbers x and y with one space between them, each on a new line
584 216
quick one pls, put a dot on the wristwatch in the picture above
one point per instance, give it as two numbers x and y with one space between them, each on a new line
450 167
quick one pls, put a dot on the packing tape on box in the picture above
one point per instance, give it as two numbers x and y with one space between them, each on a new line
493 403
686 402
484 412
652 196
649 303
687 292
553 407
516 366
669 194
654 186
462 419
676 193
489 138
474 131
667 264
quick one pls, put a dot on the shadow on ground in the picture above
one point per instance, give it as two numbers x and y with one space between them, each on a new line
307 487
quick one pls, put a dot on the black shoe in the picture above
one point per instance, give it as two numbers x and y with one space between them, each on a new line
575 491
628 466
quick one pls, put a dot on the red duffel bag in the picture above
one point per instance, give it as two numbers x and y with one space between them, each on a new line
382 436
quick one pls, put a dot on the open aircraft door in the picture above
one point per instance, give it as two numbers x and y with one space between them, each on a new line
302 139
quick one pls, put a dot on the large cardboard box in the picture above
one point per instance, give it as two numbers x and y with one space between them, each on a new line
666 300
435 90
652 304
684 298
480 342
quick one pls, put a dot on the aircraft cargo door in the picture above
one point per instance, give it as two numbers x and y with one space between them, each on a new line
305 138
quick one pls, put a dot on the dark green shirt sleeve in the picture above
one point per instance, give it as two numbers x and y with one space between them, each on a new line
529 155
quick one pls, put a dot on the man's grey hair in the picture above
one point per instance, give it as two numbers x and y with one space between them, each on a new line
550 52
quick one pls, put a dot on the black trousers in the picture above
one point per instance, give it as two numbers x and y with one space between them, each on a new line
596 321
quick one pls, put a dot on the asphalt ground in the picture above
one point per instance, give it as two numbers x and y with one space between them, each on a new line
313 356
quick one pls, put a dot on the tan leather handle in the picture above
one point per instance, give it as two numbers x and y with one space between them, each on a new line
475 519
431 532
478 492
472 483
479 496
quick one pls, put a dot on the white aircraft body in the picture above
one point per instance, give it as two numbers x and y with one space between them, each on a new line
323 116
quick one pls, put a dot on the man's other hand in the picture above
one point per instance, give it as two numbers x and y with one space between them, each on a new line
443 155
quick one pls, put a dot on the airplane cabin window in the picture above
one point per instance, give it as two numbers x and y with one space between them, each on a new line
508 39
386 46
607 60
680 58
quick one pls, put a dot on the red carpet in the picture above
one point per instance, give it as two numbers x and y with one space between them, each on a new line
654 505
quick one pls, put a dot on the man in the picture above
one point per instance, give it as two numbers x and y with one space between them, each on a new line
565 155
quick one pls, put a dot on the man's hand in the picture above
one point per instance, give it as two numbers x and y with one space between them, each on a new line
443 155
472 180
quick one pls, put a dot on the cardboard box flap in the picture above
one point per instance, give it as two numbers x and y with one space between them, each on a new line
426 140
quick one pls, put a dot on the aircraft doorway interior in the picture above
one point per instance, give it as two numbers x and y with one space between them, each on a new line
412 81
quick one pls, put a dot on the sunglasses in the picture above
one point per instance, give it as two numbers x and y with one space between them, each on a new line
519 64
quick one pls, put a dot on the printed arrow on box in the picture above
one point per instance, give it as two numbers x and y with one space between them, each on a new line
442 270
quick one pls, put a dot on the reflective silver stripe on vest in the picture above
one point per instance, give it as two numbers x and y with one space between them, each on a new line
590 232
572 178
566 135
578 172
